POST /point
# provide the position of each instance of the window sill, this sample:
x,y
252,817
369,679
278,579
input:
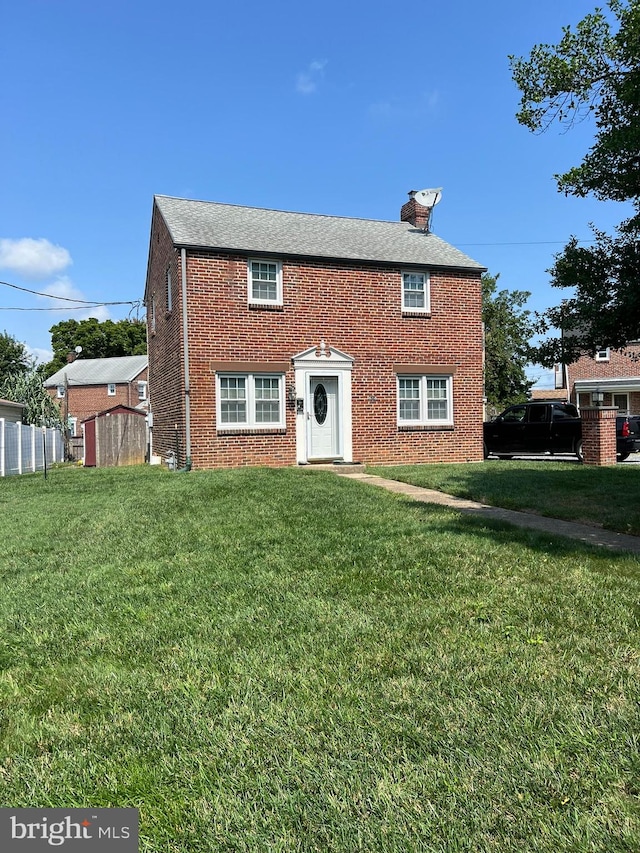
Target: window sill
x,y
251,430
265,306
410,313
425,428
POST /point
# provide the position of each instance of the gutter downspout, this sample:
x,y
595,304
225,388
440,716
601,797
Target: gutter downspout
x,y
185,344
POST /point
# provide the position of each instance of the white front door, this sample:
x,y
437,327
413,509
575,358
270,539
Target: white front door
x,y
324,435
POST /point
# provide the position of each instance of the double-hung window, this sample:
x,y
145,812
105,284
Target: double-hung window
x,y
251,401
425,401
111,389
265,282
415,292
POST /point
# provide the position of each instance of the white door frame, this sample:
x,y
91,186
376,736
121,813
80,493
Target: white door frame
x,y
329,362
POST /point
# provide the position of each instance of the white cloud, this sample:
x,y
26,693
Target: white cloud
x,y
64,287
41,356
33,258
307,81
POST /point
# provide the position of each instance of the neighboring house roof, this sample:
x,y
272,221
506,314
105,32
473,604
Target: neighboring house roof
x,y
228,227
99,371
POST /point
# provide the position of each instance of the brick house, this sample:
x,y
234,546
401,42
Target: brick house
x,y
86,386
278,338
615,373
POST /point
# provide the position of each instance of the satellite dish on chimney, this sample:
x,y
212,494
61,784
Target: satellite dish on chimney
x,y
78,350
428,199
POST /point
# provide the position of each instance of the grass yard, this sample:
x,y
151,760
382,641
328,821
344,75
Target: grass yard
x,y
606,496
290,661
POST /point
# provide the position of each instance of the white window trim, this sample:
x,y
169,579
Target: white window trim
x,y
407,309
603,354
424,420
251,422
61,392
111,385
278,265
142,390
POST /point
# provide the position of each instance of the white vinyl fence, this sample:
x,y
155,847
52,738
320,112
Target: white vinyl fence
x,y
22,448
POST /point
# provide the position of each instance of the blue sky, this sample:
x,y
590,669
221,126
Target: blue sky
x,y
337,108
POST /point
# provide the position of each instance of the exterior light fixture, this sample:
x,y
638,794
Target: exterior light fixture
x,y
597,397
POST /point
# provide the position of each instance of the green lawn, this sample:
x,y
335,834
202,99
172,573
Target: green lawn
x,y
290,661
606,496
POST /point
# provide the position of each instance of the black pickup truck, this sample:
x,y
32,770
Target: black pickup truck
x,y
534,428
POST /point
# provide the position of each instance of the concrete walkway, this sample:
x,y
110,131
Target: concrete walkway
x,y
583,532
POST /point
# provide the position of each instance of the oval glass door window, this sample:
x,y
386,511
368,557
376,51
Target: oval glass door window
x,y
320,403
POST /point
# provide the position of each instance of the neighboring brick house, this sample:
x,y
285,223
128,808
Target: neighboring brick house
x,y
615,373
278,338
86,386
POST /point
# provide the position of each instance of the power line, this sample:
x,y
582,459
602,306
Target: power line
x,y
81,302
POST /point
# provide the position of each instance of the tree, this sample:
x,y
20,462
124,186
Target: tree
x,y
507,330
592,71
107,339
27,387
14,358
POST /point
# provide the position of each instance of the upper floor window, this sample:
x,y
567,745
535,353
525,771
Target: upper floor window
x,y
603,354
250,400
142,390
111,389
265,282
415,292
424,400
152,322
61,392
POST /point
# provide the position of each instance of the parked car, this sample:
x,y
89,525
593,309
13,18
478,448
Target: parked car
x,y
536,428
627,436
542,427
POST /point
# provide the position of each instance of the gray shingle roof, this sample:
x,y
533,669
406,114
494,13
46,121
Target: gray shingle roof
x,y
252,230
99,371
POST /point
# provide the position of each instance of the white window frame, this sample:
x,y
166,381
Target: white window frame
x,y
409,309
622,410
603,354
251,399
254,300
111,389
423,388
61,392
142,390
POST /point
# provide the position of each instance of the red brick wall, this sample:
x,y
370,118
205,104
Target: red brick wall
x,y
86,400
354,308
164,346
621,365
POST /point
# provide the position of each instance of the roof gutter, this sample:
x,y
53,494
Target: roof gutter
x,y
185,345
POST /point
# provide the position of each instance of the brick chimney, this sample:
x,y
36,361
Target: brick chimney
x,y
71,357
417,214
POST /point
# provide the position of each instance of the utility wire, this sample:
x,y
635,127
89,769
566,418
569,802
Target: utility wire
x,y
92,304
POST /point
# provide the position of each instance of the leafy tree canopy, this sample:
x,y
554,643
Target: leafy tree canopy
x,y
507,329
107,339
594,70
14,358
